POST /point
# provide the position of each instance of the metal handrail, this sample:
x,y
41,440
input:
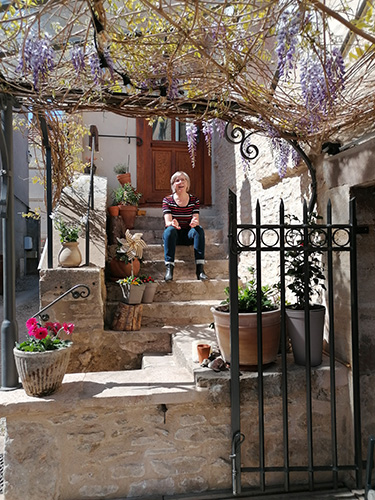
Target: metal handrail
x,y
75,294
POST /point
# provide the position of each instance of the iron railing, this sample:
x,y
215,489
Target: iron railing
x,y
261,238
75,294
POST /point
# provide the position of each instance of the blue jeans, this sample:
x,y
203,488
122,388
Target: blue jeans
x,y
193,236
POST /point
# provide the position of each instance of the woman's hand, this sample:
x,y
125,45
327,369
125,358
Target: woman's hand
x,y
194,221
175,224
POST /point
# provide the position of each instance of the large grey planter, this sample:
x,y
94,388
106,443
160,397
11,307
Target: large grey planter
x,y
295,322
41,373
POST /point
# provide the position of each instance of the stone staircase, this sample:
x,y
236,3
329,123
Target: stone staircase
x,y
181,308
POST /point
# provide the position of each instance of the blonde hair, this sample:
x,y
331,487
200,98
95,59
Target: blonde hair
x,y
174,177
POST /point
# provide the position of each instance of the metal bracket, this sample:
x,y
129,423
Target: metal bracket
x,y
362,230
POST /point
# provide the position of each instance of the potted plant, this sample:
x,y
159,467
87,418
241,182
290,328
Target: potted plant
x,y
127,197
122,171
129,253
87,165
303,307
69,254
114,210
132,289
247,307
150,289
42,359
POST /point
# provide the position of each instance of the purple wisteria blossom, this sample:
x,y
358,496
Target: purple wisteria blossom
x,y
78,58
96,70
220,126
335,71
173,89
282,157
37,57
208,129
109,61
191,135
287,39
321,86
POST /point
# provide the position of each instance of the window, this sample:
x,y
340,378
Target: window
x,y
164,129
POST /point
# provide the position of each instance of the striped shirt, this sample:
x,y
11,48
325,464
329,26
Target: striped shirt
x,y
182,214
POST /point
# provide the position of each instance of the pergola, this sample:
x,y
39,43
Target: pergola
x,y
298,71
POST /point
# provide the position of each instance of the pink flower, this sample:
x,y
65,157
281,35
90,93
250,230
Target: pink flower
x,y
31,323
68,327
40,333
52,327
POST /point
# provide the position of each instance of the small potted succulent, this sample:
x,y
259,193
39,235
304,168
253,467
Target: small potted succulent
x,y
248,317
123,174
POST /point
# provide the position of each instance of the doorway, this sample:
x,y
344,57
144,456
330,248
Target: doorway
x,y
165,151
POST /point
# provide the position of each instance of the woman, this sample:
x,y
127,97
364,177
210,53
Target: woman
x,y
181,217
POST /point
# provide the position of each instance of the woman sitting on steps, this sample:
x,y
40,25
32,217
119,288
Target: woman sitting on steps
x,y
181,217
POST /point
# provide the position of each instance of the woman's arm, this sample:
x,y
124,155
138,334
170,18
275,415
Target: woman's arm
x,y
169,221
194,220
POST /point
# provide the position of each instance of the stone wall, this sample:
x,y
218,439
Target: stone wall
x,y
350,174
127,434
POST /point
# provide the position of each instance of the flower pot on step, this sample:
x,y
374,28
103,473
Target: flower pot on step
x,y
41,373
69,254
295,323
133,293
122,269
124,178
247,332
149,293
128,214
114,210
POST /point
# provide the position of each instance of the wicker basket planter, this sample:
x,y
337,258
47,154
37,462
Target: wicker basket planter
x,y
41,373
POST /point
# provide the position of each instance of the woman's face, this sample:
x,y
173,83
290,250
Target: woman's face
x,y
180,184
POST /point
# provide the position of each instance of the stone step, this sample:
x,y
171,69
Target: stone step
x,y
178,313
213,251
156,235
170,313
185,270
131,345
155,251
178,290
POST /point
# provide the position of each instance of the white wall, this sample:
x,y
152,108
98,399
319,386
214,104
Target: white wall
x,y
112,150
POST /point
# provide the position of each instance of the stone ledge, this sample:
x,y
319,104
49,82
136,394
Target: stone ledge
x,y
109,389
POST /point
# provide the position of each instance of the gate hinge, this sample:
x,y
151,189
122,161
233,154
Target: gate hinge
x,y
362,230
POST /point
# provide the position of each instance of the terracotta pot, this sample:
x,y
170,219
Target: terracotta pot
x,y
69,255
41,373
295,324
114,210
120,269
247,332
128,214
149,294
203,351
133,293
124,178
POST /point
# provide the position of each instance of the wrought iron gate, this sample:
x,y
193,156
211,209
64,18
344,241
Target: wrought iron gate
x,y
261,238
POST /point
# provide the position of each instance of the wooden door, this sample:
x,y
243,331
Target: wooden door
x,y
163,152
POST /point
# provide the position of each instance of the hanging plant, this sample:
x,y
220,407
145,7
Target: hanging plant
x,y
207,128
191,135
